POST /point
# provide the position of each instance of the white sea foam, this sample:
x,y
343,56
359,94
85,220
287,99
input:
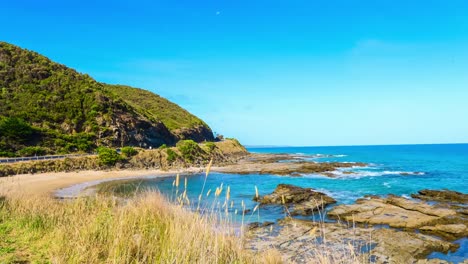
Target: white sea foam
x,y
300,154
315,176
349,173
318,155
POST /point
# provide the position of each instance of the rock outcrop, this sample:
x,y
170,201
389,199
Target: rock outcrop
x,y
399,212
297,200
302,241
445,196
295,166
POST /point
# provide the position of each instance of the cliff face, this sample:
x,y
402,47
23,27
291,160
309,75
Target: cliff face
x,y
198,134
181,123
69,111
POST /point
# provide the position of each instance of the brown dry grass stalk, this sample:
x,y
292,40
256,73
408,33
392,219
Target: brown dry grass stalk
x,y
145,229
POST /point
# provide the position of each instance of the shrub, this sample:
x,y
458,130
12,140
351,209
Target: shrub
x,y
129,151
32,151
171,155
108,156
4,153
163,146
189,149
211,146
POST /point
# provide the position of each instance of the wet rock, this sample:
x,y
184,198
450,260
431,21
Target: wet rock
x,y
431,261
395,246
255,225
297,200
324,168
450,231
442,196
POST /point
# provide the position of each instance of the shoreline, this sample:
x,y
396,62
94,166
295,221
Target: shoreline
x,y
431,238
51,183
48,183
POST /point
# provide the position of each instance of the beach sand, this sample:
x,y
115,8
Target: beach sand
x,y
48,183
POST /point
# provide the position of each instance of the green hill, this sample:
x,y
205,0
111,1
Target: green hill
x,y
46,107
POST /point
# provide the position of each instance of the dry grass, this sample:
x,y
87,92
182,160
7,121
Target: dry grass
x,y
145,229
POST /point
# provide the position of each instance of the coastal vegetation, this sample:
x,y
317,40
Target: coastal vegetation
x,y
48,105
108,156
145,229
189,149
186,154
129,152
156,108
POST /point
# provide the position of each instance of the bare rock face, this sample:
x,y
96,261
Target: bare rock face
x,y
298,201
128,128
198,134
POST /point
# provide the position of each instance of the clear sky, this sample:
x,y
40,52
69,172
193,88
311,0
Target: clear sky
x,y
320,72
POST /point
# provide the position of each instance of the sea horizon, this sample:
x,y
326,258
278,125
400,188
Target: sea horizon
x,y
357,145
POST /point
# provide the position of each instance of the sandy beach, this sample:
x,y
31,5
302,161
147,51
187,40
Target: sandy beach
x,y
48,183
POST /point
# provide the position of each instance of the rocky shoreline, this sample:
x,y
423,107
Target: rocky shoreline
x,y
285,165
389,229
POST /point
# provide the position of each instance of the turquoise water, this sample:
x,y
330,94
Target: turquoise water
x,y
399,170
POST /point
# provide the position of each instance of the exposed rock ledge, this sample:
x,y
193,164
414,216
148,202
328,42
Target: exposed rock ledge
x,y
297,200
440,219
361,232
301,241
269,164
445,196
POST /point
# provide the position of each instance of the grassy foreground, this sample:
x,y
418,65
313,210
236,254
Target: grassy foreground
x,y
146,229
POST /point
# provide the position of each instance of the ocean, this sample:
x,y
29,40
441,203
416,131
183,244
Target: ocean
x,y
392,169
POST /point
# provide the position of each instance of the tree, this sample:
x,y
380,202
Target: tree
x,y
15,129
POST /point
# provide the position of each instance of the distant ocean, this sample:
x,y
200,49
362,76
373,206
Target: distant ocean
x,y
393,169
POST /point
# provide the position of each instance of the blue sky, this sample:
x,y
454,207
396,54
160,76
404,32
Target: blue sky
x,y
273,72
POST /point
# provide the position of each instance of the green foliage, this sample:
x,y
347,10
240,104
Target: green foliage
x,y
189,149
156,108
171,155
32,151
69,109
211,146
129,151
163,146
108,156
5,153
13,128
83,142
